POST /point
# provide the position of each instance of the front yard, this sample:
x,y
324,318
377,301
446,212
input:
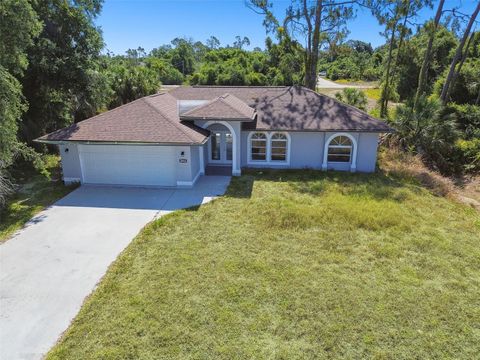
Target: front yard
x,y
35,192
293,265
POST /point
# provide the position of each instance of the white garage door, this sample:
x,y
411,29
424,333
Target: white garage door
x,y
128,165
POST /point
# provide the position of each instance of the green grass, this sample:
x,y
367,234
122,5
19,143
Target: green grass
x,y
34,194
373,93
293,265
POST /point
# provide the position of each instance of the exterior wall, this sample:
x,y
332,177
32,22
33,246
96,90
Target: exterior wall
x,y
186,172
189,171
70,163
307,151
367,152
195,160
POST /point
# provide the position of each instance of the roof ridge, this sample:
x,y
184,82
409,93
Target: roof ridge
x,y
222,99
174,123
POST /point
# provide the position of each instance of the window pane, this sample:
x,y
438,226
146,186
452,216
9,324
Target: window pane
x,y
333,150
258,147
279,136
339,158
259,136
279,157
279,143
259,156
341,140
215,145
277,151
259,143
228,144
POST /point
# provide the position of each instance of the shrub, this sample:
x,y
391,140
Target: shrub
x,y
469,152
354,97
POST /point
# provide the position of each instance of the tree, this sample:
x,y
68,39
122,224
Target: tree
x,y
432,27
354,97
239,43
458,55
183,56
316,21
63,62
19,25
395,15
428,130
213,43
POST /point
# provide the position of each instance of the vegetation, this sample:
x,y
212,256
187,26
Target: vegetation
x,y
313,265
35,192
353,97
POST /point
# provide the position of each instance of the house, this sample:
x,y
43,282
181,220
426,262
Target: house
x,y
171,138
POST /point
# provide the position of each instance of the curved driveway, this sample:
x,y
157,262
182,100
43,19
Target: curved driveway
x,y
49,267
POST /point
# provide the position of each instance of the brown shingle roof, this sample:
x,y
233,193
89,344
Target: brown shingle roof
x,y
152,119
292,108
224,107
155,119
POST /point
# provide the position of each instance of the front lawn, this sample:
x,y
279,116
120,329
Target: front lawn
x,y
293,265
35,192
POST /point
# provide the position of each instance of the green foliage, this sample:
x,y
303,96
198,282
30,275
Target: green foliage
x,y
59,81
429,131
353,60
468,119
469,153
280,64
354,97
128,82
11,108
466,89
411,58
18,26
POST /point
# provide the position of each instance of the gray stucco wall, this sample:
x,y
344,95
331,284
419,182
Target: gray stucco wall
x,y
70,162
367,152
185,171
307,150
195,160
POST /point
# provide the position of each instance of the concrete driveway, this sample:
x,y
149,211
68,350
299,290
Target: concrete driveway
x,y
50,266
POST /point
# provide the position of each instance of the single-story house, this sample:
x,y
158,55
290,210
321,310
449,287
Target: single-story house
x,y
171,138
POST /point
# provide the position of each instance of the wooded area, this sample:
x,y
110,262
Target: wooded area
x,y
53,71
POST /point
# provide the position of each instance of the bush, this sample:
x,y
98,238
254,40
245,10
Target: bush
x,y
469,152
468,119
354,97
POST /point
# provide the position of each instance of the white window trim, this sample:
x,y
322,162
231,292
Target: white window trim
x,y
268,160
353,155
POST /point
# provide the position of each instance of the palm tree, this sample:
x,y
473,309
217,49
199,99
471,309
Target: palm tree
x,y
353,97
426,129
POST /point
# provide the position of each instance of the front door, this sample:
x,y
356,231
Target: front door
x,y
220,147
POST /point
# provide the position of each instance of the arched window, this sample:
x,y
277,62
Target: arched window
x,y
279,147
258,147
340,149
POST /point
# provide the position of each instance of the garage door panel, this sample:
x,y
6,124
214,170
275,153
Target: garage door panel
x,y
128,165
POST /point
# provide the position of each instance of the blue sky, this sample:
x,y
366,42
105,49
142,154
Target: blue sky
x,y
150,23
